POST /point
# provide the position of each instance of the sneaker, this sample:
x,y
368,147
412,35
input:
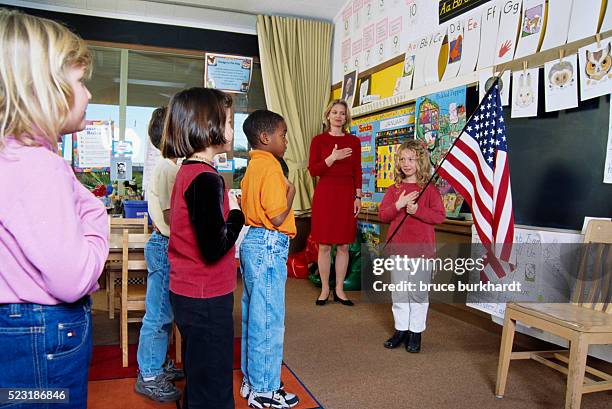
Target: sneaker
x,y
245,388
172,372
158,389
277,399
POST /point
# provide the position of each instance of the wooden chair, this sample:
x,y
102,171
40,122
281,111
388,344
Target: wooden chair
x,y
112,269
132,296
585,321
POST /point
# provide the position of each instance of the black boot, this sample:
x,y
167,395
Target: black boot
x,y
413,342
397,339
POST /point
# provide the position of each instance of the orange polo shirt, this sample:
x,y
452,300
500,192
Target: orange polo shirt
x,y
264,193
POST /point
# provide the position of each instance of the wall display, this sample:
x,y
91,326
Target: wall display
x,y
449,9
584,19
525,93
506,36
346,53
230,73
471,42
64,148
490,27
368,46
222,163
348,87
557,24
395,35
121,169
486,80
92,147
370,235
122,148
608,163
418,80
440,118
531,28
364,89
357,17
595,69
380,135
404,83
432,74
346,20
382,33
561,84
455,49
356,48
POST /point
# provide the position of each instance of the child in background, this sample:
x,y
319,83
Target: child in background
x,y
415,237
53,231
155,375
205,223
267,197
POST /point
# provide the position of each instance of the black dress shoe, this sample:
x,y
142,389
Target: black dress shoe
x,y
397,339
322,302
342,300
413,342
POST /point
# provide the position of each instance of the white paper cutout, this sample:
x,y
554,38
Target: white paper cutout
x,y
525,93
486,80
432,57
418,80
506,36
557,24
561,84
489,29
531,28
455,49
595,70
584,19
404,83
471,42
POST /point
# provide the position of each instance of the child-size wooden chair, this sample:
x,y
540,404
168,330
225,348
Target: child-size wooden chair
x,y
585,321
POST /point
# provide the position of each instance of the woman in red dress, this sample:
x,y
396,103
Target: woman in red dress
x,y
335,157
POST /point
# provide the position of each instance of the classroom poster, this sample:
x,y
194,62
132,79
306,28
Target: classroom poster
x,y
557,24
455,49
440,118
120,169
506,36
230,73
92,147
531,28
433,54
490,27
525,93
348,87
364,89
486,80
380,135
584,19
595,69
561,84
471,42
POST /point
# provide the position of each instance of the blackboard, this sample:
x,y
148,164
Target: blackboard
x,y
557,163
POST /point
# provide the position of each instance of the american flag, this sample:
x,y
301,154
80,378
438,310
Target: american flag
x,y
477,167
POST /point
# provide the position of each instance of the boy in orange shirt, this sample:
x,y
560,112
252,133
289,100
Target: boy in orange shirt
x,y
267,197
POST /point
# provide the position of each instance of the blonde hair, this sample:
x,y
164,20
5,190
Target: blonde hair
x,y
347,124
423,164
35,95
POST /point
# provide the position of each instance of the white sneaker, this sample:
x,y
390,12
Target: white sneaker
x,y
278,399
245,388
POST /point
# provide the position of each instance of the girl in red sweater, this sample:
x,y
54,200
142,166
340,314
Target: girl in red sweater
x,y
415,238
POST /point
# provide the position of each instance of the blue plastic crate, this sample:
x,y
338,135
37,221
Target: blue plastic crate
x,y
135,209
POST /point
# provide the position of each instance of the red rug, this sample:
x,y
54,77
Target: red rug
x,y
106,361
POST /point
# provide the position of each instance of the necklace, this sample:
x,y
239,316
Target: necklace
x,y
201,158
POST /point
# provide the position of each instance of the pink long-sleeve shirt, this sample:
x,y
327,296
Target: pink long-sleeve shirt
x,y
53,231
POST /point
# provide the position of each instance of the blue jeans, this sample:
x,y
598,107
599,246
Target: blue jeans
x,y
157,322
46,346
263,261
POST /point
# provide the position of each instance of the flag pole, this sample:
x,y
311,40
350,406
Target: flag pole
x,y
435,173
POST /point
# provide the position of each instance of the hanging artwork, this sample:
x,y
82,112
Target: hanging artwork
x,y
506,36
525,93
531,27
432,58
418,80
348,87
487,79
584,19
557,24
455,49
471,42
440,118
561,84
364,89
595,70
404,83
490,27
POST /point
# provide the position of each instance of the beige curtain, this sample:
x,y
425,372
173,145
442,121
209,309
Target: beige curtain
x,y
295,66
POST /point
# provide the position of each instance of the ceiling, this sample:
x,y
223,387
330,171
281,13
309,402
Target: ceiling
x,y
315,9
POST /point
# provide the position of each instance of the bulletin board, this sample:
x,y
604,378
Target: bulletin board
x,y
380,135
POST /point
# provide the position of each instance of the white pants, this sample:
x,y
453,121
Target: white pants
x,y
410,309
